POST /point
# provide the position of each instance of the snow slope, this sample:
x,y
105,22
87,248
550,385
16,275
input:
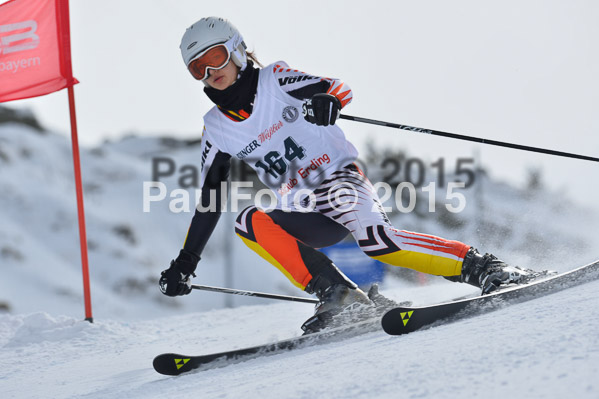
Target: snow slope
x,y
544,348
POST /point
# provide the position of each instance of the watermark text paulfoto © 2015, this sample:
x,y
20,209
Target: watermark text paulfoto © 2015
x,y
404,183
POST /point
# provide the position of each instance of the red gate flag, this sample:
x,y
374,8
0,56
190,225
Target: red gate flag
x,y
35,53
35,59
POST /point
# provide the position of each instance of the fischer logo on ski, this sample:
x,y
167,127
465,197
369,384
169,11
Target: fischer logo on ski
x,y
181,362
405,317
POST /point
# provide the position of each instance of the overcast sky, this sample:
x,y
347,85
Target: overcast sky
x,y
519,71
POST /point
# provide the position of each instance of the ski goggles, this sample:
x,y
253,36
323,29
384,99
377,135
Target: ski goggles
x,y
214,57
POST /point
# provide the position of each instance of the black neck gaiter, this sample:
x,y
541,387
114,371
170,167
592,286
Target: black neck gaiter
x,y
241,94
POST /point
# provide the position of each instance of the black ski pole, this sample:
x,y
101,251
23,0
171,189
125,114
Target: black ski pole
x,y
468,138
252,293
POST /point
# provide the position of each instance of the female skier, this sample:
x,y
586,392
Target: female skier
x,y
309,165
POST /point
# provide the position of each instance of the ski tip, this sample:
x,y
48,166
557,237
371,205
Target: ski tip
x,y
172,364
397,321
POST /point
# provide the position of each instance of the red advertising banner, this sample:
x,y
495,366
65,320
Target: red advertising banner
x,y
35,54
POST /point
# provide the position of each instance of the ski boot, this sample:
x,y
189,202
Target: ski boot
x,y
339,303
489,273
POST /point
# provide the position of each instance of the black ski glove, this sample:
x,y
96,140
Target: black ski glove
x,y
322,109
176,280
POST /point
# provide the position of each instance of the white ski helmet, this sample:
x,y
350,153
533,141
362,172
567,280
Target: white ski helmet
x,y
210,31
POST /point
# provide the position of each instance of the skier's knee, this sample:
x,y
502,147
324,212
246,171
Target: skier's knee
x,y
377,242
243,223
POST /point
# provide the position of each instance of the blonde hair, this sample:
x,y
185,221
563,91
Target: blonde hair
x,y
252,56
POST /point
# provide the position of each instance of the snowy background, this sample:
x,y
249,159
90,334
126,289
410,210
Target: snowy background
x,y
532,226
545,348
522,72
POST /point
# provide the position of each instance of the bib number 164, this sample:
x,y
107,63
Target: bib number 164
x,y
276,164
